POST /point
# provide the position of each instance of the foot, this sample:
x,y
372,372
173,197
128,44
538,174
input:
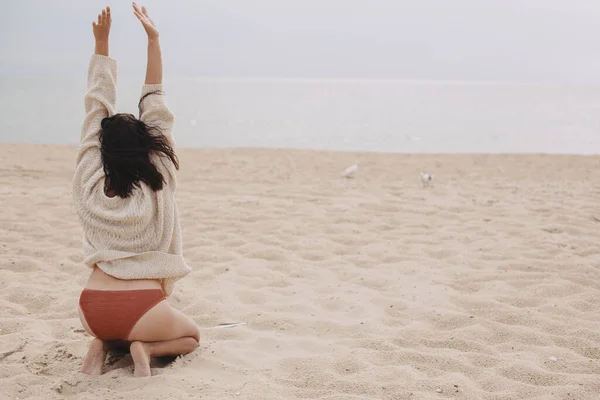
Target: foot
x,y
94,359
141,359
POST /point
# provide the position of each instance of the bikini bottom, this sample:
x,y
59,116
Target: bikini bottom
x,y
112,314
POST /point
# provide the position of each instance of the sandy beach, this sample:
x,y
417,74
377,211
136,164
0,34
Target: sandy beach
x,y
484,286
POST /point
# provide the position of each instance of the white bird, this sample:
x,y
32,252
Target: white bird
x,y
349,172
426,179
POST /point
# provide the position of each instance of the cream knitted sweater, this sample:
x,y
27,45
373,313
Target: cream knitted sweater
x,y
138,237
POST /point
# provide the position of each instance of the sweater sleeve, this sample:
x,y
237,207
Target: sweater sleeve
x,y
154,111
100,98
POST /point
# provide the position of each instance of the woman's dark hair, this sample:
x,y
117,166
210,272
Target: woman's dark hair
x,y
126,146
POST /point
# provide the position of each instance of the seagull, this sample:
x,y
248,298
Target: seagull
x,y
349,172
426,179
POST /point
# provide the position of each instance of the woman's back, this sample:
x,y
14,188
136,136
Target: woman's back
x,y
137,236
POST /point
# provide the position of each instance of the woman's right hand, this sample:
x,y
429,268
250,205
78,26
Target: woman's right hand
x,y
101,31
147,23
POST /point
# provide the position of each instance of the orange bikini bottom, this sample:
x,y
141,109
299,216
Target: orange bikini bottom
x,y
112,314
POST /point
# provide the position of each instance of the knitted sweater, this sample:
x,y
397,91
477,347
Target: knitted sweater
x,y
138,237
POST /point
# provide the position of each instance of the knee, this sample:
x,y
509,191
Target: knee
x,y
194,331
191,344
197,335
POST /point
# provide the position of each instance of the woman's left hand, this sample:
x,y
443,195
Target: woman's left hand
x,y
146,21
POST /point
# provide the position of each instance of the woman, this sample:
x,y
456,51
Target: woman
x,y
123,192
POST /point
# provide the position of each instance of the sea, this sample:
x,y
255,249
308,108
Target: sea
x,y
328,114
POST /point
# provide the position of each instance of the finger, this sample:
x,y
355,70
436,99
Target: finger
x,y
103,17
138,15
99,19
93,24
144,11
109,14
142,19
136,8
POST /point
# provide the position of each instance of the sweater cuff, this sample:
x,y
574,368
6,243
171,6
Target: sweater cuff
x,y
151,88
101,60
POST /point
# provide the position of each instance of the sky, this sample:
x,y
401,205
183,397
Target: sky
x,y
538,41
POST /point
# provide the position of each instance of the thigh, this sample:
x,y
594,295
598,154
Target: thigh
x,y
163,322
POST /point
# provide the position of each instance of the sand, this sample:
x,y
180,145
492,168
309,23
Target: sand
x,y
485,285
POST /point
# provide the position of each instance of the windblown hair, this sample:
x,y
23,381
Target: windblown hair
x,y
126,146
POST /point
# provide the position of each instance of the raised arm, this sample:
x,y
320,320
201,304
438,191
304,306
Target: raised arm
x,y
153,109
154,66
101,94
100,100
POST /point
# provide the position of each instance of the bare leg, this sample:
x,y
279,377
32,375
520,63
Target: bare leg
x,y
94,359
163,323
162,331
142,352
